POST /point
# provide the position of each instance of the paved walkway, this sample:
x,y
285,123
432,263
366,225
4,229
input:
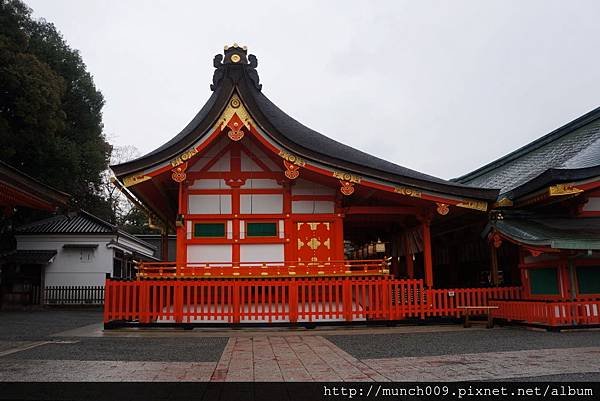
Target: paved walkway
x,y
305,358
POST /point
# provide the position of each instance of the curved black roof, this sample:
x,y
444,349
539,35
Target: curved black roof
x,y
241,77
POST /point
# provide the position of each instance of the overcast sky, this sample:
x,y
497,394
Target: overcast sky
x,y
442,87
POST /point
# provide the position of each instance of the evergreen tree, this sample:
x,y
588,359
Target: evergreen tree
x,y
50,110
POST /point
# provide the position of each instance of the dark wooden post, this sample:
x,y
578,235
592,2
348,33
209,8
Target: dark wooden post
x,y
427,257
164,243
410,266
494,265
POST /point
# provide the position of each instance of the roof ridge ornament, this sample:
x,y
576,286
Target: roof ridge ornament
x,y
233,56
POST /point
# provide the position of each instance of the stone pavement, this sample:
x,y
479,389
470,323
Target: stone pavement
x,y
304,358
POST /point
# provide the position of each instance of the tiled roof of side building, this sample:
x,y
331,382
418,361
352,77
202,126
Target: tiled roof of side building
x,y
81,222
576,145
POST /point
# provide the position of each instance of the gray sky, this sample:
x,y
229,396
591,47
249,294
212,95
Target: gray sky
x,y
442,87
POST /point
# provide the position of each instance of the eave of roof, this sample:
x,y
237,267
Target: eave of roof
x,y
291,135
552,176
551,232
32,187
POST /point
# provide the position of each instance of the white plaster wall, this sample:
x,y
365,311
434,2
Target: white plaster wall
x,y
312,207
204,158
208,253
209,184
67,267
261,184
247,164
223,164
209,204
304,187
261,204
261,253
259,153
592,205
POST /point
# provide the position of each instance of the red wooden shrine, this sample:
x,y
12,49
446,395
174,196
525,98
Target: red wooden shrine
x,y
278,223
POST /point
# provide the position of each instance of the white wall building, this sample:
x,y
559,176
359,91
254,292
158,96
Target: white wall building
x,y
86,249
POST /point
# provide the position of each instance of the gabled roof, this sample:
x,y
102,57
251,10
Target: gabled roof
x,y
19,189
242,79
80,223
571,150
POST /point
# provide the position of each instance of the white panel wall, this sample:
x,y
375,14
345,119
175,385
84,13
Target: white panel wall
x,y
262,156
209,204
304,187
202,160
209,184
223,164
261,204
248,164
261,253
592,205
208,253
261,184
312,207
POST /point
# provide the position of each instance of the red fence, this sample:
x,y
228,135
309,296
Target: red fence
x,y
447,302
305,299
550,313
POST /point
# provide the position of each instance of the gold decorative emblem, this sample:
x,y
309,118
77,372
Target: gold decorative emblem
x,y
235,58
347,187
184,157
236,133
564,189
504,202
415,193
347,181
442,208
178,173
291,158
346,177
292,171
476,205
135,179
234,107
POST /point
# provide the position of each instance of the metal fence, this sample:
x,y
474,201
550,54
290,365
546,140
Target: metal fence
x,y
74,295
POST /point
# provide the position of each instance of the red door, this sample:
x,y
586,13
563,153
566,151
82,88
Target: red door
x,y
314,241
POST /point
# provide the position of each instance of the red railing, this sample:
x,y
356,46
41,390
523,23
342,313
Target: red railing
x,y
290,299
448,302
549,313
262,269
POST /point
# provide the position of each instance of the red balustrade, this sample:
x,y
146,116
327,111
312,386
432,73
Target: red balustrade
x,y
146,270
549,313
289,299
448,302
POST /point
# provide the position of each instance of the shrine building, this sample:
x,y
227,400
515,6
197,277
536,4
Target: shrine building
x,y
277,223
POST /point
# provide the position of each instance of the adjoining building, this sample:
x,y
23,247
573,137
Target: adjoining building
x,y
276,222
21,285
549,209
82,249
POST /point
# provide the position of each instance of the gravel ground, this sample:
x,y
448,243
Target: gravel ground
x,y
201,349
38,325
450,343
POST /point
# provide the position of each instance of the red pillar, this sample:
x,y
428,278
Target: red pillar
x,y
427,258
